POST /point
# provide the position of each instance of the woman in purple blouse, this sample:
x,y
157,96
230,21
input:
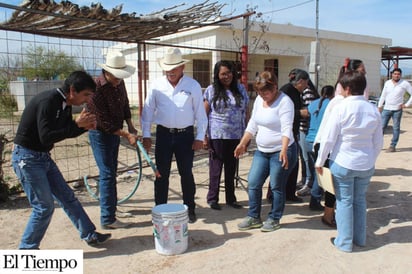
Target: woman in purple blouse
x,y
226,103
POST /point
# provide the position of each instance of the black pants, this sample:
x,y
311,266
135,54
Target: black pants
x,y
330,199
180,144
293,177
221,157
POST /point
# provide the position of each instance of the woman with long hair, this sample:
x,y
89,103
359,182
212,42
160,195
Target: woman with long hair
x,y
316,111
226,104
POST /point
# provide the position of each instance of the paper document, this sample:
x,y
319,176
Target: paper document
x,y
325,180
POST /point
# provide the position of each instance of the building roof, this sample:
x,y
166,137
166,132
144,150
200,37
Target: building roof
x,y
398,53
68,20
392,56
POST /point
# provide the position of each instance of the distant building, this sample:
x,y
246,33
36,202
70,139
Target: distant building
x,y
280,48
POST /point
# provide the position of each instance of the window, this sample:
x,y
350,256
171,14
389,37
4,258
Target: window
x,y
272,65
201,72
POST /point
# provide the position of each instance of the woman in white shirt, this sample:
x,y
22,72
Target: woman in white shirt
x,y
353,137
272,123
350,65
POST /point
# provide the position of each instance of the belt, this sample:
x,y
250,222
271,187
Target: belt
x,y
175,130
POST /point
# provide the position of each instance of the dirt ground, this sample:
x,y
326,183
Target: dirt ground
x,y
302,244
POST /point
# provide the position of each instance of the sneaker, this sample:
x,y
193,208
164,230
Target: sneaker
x,y
192,216
98,238
122,214
391,149
304,191
215,206
235,205
294,199
249,223
270,225
115,225
316,206
300,184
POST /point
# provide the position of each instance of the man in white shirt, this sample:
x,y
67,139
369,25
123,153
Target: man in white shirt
x,y
175,104
392,95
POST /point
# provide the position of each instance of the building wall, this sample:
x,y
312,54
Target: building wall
x,y
332,57
24,91
290,45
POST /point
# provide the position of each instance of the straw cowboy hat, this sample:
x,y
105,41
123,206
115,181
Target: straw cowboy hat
x,y
172,59
116,65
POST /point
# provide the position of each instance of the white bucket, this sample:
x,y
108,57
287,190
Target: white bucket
x,y
170,228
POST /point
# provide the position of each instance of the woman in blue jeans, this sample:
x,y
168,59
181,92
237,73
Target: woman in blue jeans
x,y
353,137
272,123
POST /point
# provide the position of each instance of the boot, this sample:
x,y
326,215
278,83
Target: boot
x,y
328,217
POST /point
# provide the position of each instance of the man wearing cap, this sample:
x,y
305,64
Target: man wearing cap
x,y
175,104
110,104
298,82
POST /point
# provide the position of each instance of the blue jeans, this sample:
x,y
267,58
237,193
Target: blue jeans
x,y
316,191
179,144
308,172
350,190
43,182
264,165
105,150
396,116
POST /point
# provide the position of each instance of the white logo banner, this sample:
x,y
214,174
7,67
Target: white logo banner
x,y
41,261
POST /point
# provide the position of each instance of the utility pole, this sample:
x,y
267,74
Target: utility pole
x,y
314,65
244,52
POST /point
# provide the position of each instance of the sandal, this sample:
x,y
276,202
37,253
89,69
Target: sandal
x,y
331,224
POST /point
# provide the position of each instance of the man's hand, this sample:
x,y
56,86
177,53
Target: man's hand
x,y
147,144
86,120
197,145
206,143
132,138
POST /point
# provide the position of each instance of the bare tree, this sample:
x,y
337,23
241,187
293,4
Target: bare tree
x,y
256,42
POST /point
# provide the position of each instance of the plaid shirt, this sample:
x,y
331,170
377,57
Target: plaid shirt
x,y
110,104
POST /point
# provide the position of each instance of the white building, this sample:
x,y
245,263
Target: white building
x,y
279,47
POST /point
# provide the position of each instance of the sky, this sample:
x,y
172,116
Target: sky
x,y
381,18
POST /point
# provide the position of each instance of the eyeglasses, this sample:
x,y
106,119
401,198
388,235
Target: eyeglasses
x,y
225,74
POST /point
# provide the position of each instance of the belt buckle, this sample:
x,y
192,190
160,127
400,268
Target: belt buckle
x,y
172,130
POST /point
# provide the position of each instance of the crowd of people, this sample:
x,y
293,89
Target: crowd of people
x,y
337,128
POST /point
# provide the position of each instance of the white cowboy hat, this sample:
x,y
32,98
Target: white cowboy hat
x,y
172,59
116,65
